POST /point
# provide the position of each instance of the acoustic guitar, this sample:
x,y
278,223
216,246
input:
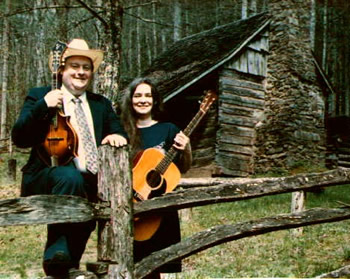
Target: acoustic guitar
x,y
155,174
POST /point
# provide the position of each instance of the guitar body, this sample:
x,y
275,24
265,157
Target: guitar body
x,y
145,227
148,183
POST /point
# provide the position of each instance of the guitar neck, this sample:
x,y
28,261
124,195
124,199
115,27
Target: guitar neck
x,y
194,122
172,152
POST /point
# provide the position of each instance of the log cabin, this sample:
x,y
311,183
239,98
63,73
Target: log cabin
x,y
270,108
231,60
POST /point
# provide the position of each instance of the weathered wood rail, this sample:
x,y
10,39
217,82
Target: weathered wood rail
x,y
116,210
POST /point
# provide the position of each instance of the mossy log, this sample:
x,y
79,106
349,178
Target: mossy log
x,y
50,209
203,191
343,272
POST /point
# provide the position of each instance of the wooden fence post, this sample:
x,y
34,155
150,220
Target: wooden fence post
x,y
297,206
115,245
11,164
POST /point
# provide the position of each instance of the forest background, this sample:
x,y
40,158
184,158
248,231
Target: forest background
x,y
133,33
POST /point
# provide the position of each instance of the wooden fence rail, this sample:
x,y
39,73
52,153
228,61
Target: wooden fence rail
x,y
115,212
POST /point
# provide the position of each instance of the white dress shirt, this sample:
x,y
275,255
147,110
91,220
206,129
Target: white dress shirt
x,y
69,107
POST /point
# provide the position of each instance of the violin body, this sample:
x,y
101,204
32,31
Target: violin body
x,y
61,143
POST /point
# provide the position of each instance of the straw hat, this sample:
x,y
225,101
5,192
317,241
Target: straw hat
x,y
79,47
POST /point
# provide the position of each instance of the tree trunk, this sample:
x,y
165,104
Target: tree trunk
x,y
4,85
138,40
154,30
40,58
99,43
111,40
63,19
313,24
177,20
253,8
244,9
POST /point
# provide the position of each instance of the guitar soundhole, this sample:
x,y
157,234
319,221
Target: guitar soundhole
x,y
158,185
153,179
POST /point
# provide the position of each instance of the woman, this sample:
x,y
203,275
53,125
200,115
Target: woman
x,y
141,109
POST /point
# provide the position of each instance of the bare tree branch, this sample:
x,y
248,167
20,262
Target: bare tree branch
x,y
151,21
55,7
75,24
141,4
30,9
93,12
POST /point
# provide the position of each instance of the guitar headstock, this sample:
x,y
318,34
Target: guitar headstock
x,y
56,54
208,99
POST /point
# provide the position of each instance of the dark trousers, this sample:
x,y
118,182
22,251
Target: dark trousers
x,y
70,238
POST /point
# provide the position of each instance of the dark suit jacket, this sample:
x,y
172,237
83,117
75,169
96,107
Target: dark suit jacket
x,y
33,122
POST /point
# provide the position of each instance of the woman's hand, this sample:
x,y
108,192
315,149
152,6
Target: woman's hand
x,y
114,140
181,141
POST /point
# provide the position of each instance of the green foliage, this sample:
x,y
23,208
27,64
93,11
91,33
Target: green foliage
x,y
304,166
301,166
346,251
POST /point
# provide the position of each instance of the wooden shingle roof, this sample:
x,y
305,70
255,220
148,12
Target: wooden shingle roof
x,y
193,57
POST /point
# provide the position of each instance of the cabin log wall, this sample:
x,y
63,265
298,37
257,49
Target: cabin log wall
x,y
203,145
241,108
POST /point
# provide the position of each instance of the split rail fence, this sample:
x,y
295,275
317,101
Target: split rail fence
x,y
115,213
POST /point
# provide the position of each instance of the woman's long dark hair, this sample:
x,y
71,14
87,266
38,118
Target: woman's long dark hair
x,y
129,116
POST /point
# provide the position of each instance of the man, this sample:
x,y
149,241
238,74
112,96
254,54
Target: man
x,y
66,242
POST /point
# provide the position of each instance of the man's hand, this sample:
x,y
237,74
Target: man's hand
x,y
114,140
54,98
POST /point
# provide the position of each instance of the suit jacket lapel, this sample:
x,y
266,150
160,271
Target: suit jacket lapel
x,y
96,116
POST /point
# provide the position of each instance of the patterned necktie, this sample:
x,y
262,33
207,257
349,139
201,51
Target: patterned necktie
x,y
86,138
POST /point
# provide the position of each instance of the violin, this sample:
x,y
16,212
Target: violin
x,y
61,142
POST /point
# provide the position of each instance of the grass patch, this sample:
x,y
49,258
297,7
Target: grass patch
x,y
321,248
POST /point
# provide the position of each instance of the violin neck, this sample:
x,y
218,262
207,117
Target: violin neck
x,y
54,81
55,85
